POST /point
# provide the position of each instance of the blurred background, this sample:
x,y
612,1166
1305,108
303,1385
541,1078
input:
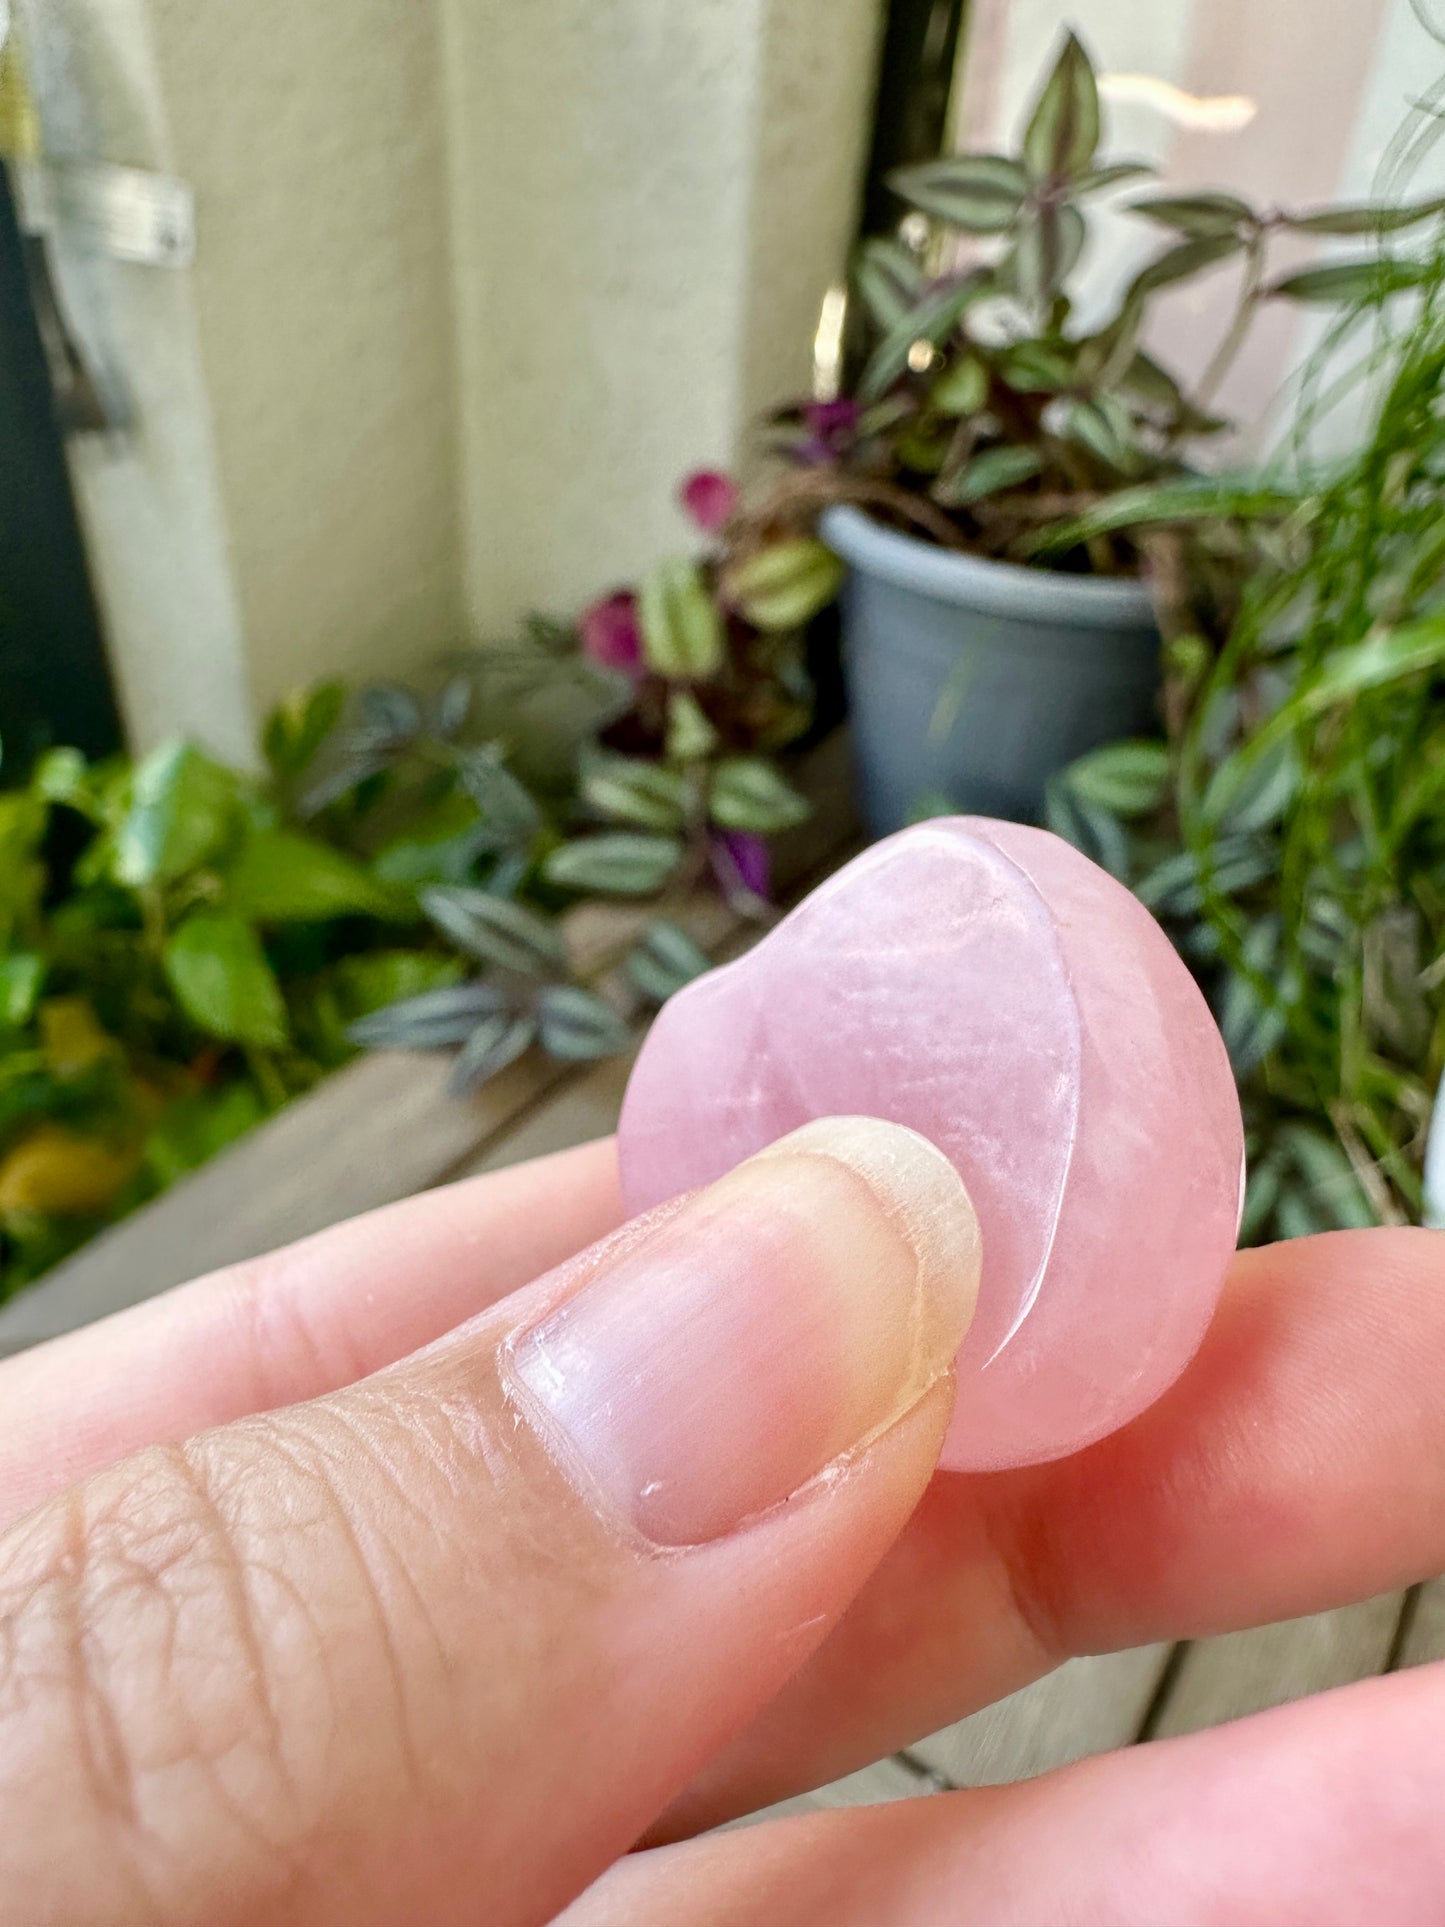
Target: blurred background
x,y
473,284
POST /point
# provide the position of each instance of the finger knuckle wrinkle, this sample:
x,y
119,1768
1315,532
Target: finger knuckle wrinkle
x,y
129,1649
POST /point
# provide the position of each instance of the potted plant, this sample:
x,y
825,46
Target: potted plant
x,y
978,661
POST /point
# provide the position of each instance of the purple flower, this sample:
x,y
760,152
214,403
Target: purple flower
x,y
611,634
832,417
740,859
831,425
710,498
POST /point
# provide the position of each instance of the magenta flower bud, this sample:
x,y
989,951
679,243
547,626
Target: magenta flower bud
x,y
611,634
832,418
710,498
830,427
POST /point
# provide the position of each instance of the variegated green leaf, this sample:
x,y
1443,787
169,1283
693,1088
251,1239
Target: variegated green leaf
x,y
933,319
890,280
784,585
749,794
1063,130
1127,779
496,1042
1202,216
664,960
494,929
627,864
682,632
629,790
577,1025
1049,242
434,1020
988,473
980,193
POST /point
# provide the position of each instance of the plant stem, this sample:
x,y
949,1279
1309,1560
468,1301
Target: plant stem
x,y
267,1078
803,491
1235,335
153,918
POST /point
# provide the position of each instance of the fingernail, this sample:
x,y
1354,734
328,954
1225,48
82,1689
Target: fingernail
x,y
784,1318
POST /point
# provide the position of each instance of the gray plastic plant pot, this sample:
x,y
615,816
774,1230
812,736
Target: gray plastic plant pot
x,y
977,680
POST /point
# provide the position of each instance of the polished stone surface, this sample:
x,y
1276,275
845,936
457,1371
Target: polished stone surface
x,y
986,984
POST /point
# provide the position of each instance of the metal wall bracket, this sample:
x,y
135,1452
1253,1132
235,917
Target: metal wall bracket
x,y
124,212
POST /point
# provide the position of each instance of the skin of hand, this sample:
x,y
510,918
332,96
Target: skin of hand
x,y
374,1581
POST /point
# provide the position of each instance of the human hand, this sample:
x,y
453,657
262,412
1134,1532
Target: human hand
x,y
391,1654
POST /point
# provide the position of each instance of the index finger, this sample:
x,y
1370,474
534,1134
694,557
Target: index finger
x,y
1298,1465
298,1322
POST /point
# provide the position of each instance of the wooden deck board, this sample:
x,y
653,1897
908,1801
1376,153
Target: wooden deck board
x,y
1085,1707
1240,1673
885,1780
1424,1631
586,1107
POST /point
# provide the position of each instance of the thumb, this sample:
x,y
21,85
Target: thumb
x,y
440,1646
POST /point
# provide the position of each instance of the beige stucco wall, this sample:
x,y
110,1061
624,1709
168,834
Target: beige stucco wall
x,y
648,204
311,137
475,283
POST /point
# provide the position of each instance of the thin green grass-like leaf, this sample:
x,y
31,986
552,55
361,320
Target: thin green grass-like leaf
x,y
1156,504
1372,278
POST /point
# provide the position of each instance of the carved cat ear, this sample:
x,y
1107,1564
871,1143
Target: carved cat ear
x,y
989,986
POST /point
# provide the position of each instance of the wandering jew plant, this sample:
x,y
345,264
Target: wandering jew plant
x,y
678,793
984,411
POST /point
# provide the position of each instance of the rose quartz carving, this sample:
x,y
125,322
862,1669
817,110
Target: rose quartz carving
x,y
989,986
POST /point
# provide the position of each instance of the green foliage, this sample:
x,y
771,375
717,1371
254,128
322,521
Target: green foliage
x,y
494,929
986,417
749,794
664,960
184,947
183,808
1063,130
784,585
1291,832
625,863
682,632
577,1025
195,1127
628,789
223,981
280,877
